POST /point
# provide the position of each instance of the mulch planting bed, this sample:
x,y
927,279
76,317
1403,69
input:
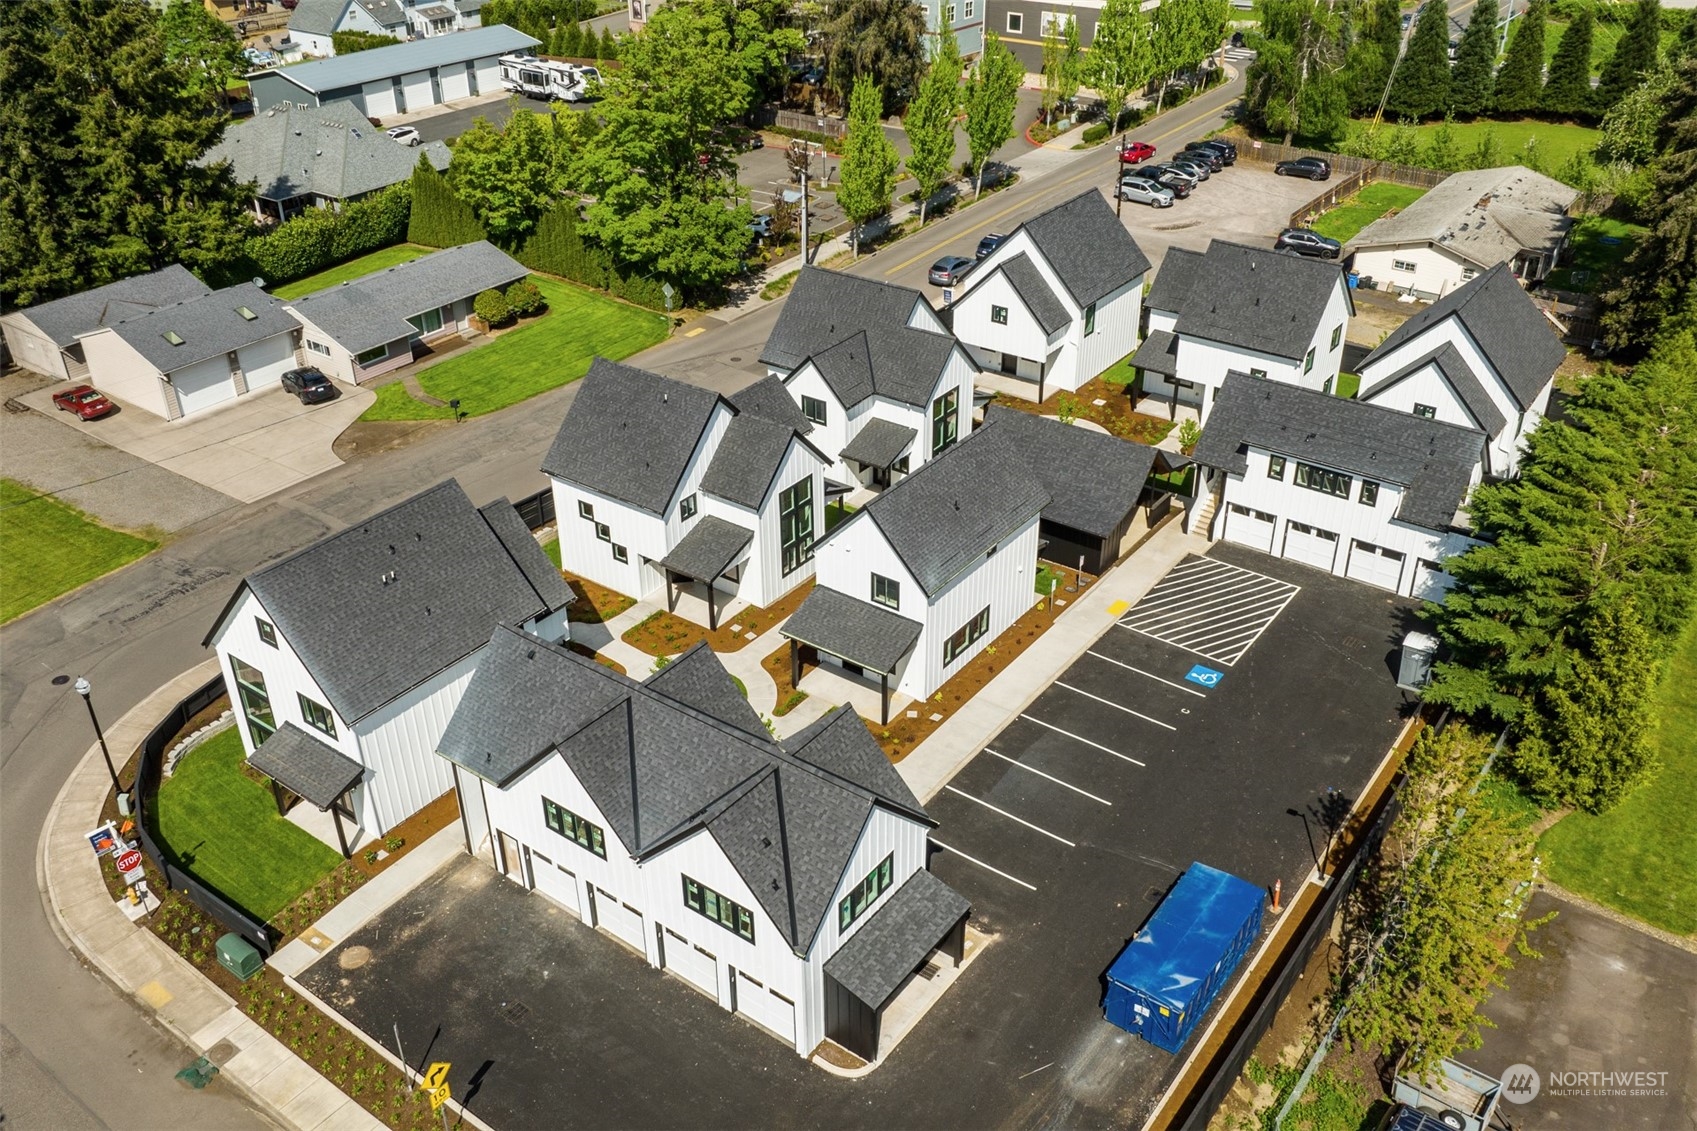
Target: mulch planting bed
x,y
777,666
592,603
1114,413
667,634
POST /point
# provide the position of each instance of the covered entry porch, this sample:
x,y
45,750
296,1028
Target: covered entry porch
x,y
880,453
712,551
305,768
865,639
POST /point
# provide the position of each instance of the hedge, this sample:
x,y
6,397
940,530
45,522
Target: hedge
x,y
556,248
492,308
348,42
320,238
439,217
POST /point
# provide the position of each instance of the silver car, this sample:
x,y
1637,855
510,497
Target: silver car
x,y
1145,192
1192,168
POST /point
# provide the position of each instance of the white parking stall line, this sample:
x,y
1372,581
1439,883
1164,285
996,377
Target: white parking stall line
x,y
1192,611
1050,777
1214,621
981,864
1010,816
1151,675
1164,594
1114,705
1086,741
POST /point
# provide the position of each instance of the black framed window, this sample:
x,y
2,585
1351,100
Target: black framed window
x,y
588,834
1276,467
1262,373
999,315
317,715
966,636
886,592
728,913
267,631
1430,412
1090,320
1308,362
865,893
1337,335
603,532
687,508
1323,481
945,421
1369,493
619,553
586,510
814,409
1326,386
256,701
795,524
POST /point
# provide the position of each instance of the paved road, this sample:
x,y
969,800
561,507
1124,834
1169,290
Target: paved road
x,y
132,630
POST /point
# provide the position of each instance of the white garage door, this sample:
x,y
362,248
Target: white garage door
x,y
554,882
1431,582
201,386
622,920
760,1005
691,963
1311,546
1376,565
1250,527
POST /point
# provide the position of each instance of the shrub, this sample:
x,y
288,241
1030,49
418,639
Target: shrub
x,y
348,42
1095,133
320,238
1188,433
491,306
525,298
439,218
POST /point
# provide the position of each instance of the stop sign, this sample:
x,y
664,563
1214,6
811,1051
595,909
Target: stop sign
x,y
128,860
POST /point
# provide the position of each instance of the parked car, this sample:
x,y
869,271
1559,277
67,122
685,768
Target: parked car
x,y
1169,171
989,243
761,226
1132,152
1208,157
1304,241
950,270
310,385
1236,39
85,401
406,135
1190,167
1145,192
1174,182
1314,168
1224,150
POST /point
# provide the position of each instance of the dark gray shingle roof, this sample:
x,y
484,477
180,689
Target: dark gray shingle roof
x,y
307,765
880,443
1158,353
944,517
709,548
64,318
824,307
747,460
1461,378
890,945
1432,462
1093,480
330,150
769,400
870,635
378,608
836,742
209,326
629,434
1512,333
898,362
1033,290
1258,299
522,547
1173,280
697,679
1088,247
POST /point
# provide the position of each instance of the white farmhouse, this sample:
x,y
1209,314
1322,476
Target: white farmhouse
x,y
346,660
873,369
787,882
314,23
658,483
1357,490
926,575
1483,356
1236,308
46,338
1059,301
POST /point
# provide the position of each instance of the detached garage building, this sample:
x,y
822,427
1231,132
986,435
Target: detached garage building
x,y
45,337
399,79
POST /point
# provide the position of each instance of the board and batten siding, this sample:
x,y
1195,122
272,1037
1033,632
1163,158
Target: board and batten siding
x,y
1118,317
988,339
832,436
398,745
959,374
1005,581
694,471
641,533
763,580
856,550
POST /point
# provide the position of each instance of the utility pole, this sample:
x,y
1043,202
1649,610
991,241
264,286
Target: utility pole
x,y
805,251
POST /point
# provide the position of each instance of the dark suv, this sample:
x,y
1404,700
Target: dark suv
x,y
1224,150
1314,168
1306,242
310,385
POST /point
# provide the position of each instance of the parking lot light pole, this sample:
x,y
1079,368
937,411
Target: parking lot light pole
x,y
83,688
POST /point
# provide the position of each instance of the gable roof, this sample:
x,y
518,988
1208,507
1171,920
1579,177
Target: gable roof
x,y
898,362
378,608
697,679
330,150
1173,279
1506,324
769,400
317,17
63,319
373,309
326,76
709,548
387,13
1093,480
825,307
1460,377
629,434
1431,461
207,326
945,516
1258,299
748,459
306,765
895,939
661,764
880,443
1486,216
870,635
1087,246
1033,290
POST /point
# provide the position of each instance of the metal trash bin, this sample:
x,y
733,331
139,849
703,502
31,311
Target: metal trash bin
x,y
238,956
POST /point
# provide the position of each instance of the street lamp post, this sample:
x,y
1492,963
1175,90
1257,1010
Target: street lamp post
x,y
84,688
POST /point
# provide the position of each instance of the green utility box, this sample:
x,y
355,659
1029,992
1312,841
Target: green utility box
x,y
238,956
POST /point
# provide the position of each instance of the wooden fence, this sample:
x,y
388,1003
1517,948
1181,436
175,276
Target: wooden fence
x,y
807,123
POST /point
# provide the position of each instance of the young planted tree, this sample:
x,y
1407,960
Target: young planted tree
x,y
1475,63
1634,55
1185,33
1520,81
868,167
990,103
1421,87
930,125
1121,60
1567,91
1069,75
1061,68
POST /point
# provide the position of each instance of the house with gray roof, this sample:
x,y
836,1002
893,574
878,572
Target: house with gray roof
x,y
193,354
661,486
1059,301
872,368
1357,490
301,157
1236,308
927,574
1484,356
1469,224
346,659
785,880
314,23
363,328
46,338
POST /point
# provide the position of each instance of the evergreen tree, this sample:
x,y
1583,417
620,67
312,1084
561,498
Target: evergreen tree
x,y
878,40
1421,87
1378,41
930,125
1520,81
1567,92
439,218
990,103
1628,132
1120,60
1475,63
608,49
1635,53
868,167
1297,86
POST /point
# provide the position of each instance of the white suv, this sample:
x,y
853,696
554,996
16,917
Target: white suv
x,y
1145,192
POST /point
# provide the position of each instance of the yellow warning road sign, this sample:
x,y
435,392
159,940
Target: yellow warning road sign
x,y
436,1076
438,1097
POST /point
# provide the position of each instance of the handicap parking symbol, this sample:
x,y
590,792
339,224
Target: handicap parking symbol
x,y
1207,677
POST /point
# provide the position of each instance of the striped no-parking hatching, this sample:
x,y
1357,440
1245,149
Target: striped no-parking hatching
x,y
1210,608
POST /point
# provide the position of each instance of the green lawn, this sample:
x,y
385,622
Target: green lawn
x,y
1556,142
543,353
1595,247
352,269
1639,856
1122,372
836,514
51,548
552,549
1348,385
223,827
1344,221
1178,482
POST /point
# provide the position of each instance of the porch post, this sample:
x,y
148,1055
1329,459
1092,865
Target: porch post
x,y
277,796
671,593
341,837
1042,376
884,690
795,665
712,613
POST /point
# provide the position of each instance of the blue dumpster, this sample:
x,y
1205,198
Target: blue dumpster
x,y
1167,975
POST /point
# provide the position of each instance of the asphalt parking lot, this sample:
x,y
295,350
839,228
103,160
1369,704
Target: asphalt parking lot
x,y
1064,833
1243,203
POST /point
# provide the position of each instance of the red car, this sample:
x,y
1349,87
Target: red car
x,y
1131,152
84,401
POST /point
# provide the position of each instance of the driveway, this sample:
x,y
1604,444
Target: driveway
x,y
1063,833
247,449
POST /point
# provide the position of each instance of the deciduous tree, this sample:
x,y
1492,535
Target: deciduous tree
x,y
930,125
510,177
1475,63
206,46
1567,92
1634,55
1520,80
1121,59
868,167
877,40
1628,131
1421,87
1296,86
990,103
